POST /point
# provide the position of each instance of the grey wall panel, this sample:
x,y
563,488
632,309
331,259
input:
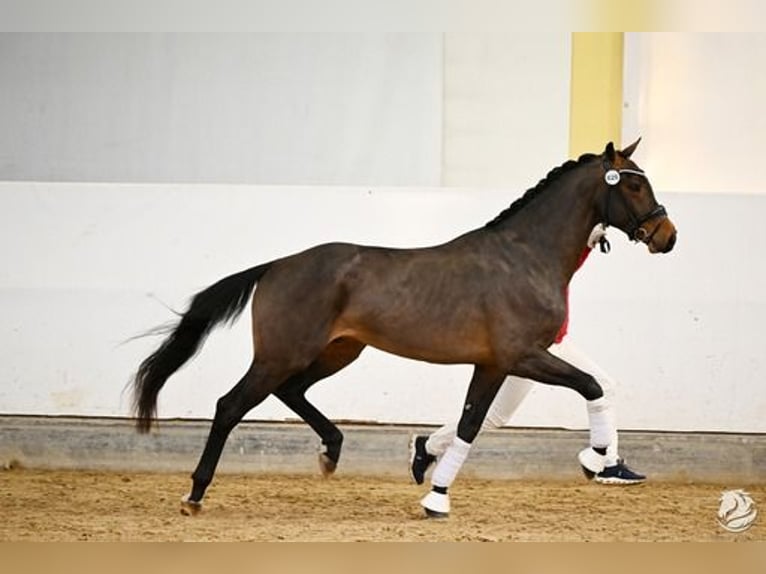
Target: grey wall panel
x,y
223,108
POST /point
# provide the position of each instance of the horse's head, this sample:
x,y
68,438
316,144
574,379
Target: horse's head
x,y
629,203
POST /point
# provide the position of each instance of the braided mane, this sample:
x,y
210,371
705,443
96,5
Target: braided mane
x,y
533,192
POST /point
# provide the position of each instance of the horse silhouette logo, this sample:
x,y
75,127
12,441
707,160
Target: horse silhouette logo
x,y
737,511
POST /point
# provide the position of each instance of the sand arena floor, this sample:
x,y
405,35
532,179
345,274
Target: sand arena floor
x,y
45,505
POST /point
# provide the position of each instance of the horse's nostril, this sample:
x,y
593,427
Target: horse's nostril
x,y
670,244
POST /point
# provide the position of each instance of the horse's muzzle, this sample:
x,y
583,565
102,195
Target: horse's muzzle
x,y
663,238
671,243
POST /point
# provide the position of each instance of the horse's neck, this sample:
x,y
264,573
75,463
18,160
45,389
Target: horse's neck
x,y
560,220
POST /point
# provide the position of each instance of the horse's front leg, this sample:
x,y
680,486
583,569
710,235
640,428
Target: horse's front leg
x,y
485,383
547,368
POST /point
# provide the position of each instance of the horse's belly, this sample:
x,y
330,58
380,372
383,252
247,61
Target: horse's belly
x,y
423,343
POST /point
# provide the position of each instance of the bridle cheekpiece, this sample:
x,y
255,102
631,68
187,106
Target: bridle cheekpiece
x,y
635,232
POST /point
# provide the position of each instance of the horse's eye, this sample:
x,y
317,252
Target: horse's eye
x,y
634,186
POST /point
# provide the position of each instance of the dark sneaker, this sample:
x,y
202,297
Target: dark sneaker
x,y
619,474
420,460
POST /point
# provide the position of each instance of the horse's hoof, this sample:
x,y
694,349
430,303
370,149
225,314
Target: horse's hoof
x,y
591,462
436,505
327,465
436,514
190,507
589,474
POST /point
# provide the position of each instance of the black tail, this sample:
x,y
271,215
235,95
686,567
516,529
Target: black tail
x,y
221,302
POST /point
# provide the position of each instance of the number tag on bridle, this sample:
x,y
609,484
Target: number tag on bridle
x,y
612,177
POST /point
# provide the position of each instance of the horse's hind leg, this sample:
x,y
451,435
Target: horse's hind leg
x,y
251,390
292,393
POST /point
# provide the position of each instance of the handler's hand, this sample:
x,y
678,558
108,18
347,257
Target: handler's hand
x,y
595,236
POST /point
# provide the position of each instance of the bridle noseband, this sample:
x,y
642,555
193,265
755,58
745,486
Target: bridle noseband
x,y
635,232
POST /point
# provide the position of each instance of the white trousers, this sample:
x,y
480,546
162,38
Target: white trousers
x,y
515,389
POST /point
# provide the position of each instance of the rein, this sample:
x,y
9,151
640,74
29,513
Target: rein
x,y
636,232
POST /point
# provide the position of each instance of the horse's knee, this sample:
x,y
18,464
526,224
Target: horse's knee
x,y
590,389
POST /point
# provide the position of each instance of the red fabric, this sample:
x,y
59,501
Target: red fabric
x,y
565,325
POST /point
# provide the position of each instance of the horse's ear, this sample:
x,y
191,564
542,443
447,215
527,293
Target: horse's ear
x,y
609,152
628,151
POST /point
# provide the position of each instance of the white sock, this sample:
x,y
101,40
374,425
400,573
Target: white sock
x,y
449,464
438,441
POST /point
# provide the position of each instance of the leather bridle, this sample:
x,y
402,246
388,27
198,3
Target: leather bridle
x,y
635,231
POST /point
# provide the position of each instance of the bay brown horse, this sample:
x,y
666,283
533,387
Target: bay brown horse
x,y
493,298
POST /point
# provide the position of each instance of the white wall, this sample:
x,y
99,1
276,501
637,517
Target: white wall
x,y
506,107
697,100
86,266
